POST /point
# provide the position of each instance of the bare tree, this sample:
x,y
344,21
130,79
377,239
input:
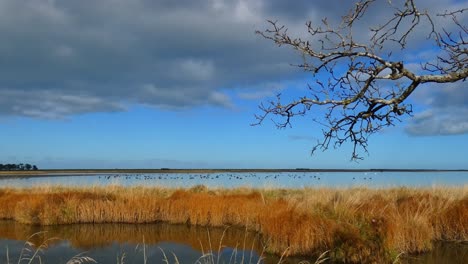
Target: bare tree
x,y
366,87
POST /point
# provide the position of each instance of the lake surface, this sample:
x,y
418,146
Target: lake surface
x,y
257,180
108,242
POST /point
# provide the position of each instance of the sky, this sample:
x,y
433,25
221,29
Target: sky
x,y
151,84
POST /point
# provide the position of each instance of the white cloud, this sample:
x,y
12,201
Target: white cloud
x,y
263,90
439,122
447,112
52,105
193,69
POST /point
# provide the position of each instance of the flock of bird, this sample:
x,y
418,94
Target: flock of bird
x,y
228,176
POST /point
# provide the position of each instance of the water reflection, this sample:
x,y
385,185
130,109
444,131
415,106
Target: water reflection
x,y
443,253
107,242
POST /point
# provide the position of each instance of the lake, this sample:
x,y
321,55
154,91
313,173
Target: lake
x,y
256,180
107,242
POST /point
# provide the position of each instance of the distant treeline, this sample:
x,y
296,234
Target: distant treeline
x,y
16,167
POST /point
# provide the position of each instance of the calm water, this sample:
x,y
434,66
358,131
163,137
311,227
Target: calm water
x,y
260,180
107,242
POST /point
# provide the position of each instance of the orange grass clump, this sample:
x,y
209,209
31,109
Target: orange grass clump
x,y
357,225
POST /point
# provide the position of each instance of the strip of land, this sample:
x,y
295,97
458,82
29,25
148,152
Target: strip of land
x,y
19,173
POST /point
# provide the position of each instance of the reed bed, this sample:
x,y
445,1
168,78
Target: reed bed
x,y
356,225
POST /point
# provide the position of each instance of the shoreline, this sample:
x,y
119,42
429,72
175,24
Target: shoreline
x,y
79,172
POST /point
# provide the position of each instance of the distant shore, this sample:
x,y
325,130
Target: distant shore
x,y
51,172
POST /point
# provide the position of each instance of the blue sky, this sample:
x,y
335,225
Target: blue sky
x,y
150,84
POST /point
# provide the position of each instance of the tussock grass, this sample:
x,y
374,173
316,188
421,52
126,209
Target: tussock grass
x,y
357,225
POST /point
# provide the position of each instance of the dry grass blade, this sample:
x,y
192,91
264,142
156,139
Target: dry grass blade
x,y
203,257
80,259
252,250
40,249
243,251
28,253
121,260
220,246
283,255
165,259
397,259
7,256
261,255
175,258
322,258
211,248
145,258
233,254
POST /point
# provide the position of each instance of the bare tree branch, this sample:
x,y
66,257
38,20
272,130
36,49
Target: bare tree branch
x,y
365,91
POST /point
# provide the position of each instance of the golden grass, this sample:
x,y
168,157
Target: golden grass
x,y
357,225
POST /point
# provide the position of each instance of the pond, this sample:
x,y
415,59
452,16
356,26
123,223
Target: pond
x,y
106,243
256,180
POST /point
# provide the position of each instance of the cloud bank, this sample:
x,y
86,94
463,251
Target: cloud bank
x,y
447,112
62,58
